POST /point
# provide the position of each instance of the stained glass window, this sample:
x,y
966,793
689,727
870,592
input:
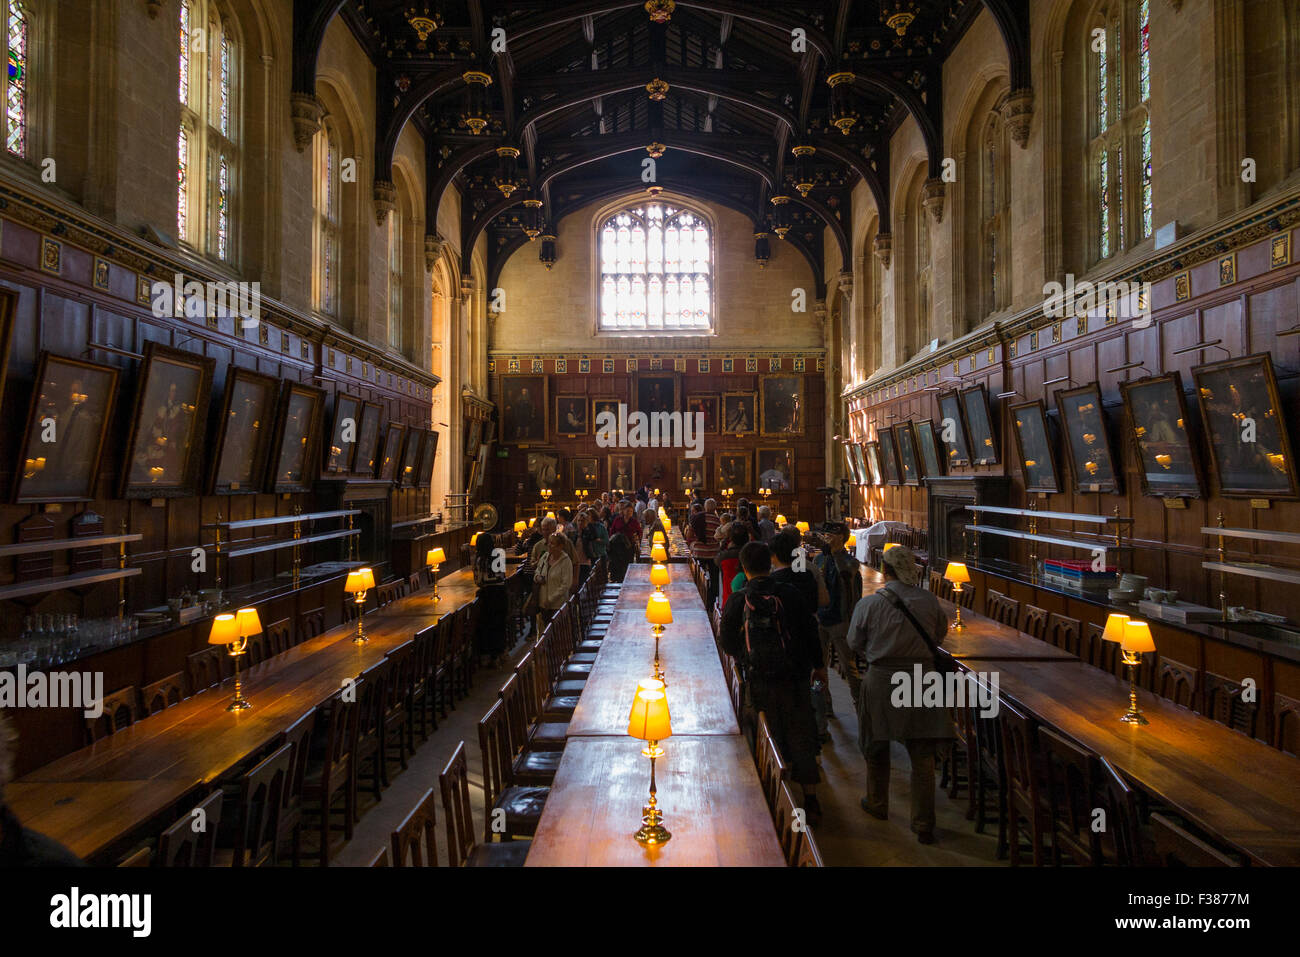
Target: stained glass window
x,y
1103,88
1144,51
1122,177
1103,180
223,208
654,270
16,92
1146,178
225,86
395,279
185,54
182,182
326,232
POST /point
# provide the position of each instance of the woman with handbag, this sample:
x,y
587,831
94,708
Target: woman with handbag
x,y
554,577
900,627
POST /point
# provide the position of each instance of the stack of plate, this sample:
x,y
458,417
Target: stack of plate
x,y
1130,588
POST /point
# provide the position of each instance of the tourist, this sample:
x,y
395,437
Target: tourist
x,y
492,603
555,575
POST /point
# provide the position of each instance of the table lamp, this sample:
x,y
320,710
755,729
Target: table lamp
x,y
227,630
359,582
957,574
780,521
658,553
473,539
659,577
650,722
433,558
657,537
659,613
1136,641
521,527
656,493
802,526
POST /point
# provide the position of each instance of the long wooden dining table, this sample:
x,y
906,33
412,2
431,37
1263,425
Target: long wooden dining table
x,y
95,799
1238,789
708,787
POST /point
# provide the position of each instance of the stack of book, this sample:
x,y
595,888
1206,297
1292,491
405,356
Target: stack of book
x,y
1078,574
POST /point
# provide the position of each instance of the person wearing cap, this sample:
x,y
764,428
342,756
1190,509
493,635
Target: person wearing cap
x,y
892,644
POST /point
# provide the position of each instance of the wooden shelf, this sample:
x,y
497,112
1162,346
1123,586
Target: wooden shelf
x,y
1049,539
282,519
1062,516
1291,538
290,542
1267,572
77,580
431,517
31,548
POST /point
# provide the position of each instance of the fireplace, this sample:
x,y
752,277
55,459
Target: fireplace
x,y
948,518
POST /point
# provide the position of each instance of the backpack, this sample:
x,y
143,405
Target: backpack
x,y
851,581
767,639
833,613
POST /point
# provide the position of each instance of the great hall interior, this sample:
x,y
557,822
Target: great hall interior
x,y
413,413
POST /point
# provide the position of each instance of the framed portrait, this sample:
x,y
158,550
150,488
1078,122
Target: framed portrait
x,y
1245,426
343,436
931,461
71,407
888,456
367,455
908,462
543,469
622,471
979,426
244,433
860,463
850,466
709,404
1156,415
166,439
1034,446
734,470
409,467
473,432
782,404
952,430
690,472
776,469
571,415
873,463
391,454
428,455
523,409
739,412
584,472
295,446
600,406
659,392
1087,440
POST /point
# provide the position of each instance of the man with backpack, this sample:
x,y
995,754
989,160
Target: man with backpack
x,y
843,579
770,631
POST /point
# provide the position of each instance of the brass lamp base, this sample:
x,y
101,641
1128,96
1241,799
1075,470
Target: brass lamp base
x,y
1134,714
651,833
1133,717
239,704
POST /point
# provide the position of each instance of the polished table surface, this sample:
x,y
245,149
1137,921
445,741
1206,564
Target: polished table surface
x,y
91,798
708,787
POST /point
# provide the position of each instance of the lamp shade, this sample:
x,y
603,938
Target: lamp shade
x,y
1137,637
248,621
659,575
659,537
658,552
650,684
656,493
359,580
532,522
889,545
957,573
1115,628
649,719
435,556
658,611
780,520
225,630
550,515
521,526
473,539
802,526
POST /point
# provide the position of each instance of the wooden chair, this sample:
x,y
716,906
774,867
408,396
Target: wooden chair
x,y
1000,608
988,773
311,623
120,710
380,859
462,848
413,583
260,803
1063,632
256,650
371,703
415,842
967,597
163,693
1225,703
809,856
1175,846
771,767
519,807
1035,622
1120,841
1098,653
1177,682
330,772
389,592
139,858
350,610
939,586
1286,723
1072,779
184,844
299,738
397,704
789,831
279,636
1025,789
205,668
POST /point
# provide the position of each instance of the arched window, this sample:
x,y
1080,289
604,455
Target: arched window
x,y
1120,115
325,221
395,279
995,217
656,271
207,155
923,278
18,41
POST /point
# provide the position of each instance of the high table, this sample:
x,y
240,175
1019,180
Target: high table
x,y
95,799
708,788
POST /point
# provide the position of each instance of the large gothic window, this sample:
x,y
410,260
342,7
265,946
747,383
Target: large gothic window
x,y
995,217
206,153
656,266
1119,150
18,42
395,279
326,229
